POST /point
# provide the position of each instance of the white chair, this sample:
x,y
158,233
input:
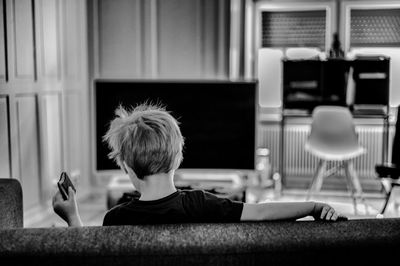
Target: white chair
x,y
333,139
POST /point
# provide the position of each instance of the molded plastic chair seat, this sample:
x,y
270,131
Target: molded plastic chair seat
x,y
333,153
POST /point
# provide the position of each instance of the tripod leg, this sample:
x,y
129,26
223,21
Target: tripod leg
x,y
387,199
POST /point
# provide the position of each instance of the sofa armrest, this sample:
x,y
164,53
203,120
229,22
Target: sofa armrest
x,y
11,212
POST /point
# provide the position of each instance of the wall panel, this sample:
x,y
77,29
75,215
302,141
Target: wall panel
x,y
51,141
179,40
120,38
72,132
269,70
29,156
2,43
43,45
76,142
72,27
209,38
5,158
48,17
160,39
24,58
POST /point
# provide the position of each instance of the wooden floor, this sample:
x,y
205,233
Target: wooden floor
x,y
92,206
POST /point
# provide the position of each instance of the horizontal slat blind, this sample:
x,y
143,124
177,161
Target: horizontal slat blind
x,y
294,29
375,28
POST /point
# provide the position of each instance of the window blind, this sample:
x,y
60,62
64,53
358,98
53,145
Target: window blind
x,y
294,29
375,28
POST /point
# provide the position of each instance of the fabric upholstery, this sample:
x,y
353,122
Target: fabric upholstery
x,y
11,212
360,242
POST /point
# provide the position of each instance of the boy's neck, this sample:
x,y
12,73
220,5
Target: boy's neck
x,y
157,186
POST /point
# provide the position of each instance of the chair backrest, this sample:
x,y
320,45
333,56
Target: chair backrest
x,y
396,141
11,212
333,126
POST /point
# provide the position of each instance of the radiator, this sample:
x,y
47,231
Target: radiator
x,y
298,162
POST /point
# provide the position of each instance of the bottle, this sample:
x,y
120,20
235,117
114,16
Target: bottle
x,y
264,168
336,50
277,184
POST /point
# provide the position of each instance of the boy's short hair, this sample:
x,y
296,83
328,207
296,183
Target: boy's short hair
x,y
147,138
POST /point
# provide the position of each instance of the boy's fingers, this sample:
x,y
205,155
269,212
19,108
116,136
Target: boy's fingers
x,y
323,212
334,217
57,196
329,214
71,193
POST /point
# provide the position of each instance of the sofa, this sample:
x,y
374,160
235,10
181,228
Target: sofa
x,y
356,242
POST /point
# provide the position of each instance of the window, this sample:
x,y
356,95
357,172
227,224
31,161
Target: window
x,y
375,28
294,28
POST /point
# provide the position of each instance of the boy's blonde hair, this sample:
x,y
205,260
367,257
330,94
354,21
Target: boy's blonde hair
x,y
147,138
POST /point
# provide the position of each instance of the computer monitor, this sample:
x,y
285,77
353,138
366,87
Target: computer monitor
x,y
217,118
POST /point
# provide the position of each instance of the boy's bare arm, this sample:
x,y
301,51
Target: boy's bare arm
x,y
288,210
67,209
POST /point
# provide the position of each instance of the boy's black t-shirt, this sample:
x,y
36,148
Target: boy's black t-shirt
x,y
182,206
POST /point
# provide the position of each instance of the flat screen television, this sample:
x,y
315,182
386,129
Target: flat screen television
x,y
217,118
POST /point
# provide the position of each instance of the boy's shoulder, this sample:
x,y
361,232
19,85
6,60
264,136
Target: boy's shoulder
x,y
191,192
114,212
181,206
197,196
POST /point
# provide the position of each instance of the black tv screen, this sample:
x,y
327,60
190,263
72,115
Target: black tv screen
x,y
217,118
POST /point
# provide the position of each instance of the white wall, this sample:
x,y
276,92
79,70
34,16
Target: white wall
x,y
43,95
159,39
270,77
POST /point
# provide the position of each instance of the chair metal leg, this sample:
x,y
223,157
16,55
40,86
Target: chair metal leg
x,y
331,171
357,184
320,177
350,187
354,178
317,181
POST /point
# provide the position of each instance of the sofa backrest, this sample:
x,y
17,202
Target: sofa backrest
x,y
362,242
11,212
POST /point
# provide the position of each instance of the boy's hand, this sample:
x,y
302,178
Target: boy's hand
x,y
325,212
67,209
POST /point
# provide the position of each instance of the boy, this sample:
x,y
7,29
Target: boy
x,y
147,144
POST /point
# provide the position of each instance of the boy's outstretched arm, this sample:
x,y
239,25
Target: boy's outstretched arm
x,y
272,211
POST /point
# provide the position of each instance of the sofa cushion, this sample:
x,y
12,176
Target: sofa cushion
x,y
252,243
